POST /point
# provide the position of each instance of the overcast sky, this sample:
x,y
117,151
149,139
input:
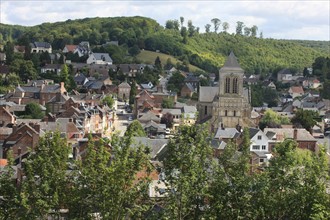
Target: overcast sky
x,y
286,19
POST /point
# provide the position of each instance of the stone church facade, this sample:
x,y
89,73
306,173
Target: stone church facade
x,y
227,105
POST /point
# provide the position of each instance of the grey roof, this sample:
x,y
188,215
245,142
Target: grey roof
x,y
253,132
51,88
302,134
124,85
189,109
231,62
148,116
218,144
173,111
41,44
155,145
160,127
102,56
261,154
207,93
28,89
284,71
226,133
190,87
97,84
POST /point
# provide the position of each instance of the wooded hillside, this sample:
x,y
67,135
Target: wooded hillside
x,y
205,50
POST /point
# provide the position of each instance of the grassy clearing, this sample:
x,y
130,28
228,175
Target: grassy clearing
x,y
149,57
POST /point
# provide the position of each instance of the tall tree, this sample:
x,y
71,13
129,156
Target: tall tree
x,y
293,185
44,186
216,24
106,182
187,169
254,30
64,75
230,191
225,26
181,22
135,129
247,31
239,28
207,28
9,50
305,118
24,68
191,28
9,192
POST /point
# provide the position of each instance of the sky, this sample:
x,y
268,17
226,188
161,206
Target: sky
x,y
304,19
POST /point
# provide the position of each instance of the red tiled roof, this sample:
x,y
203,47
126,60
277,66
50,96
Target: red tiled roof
x,y
297,89
3,162
71,47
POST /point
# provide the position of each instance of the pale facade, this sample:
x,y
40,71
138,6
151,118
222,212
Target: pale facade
x,y
229,104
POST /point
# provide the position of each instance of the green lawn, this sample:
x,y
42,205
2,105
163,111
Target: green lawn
x,y
149,57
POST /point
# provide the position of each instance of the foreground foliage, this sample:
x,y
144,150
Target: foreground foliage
x,y
200,182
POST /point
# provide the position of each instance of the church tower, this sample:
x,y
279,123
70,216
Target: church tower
x,y
231,107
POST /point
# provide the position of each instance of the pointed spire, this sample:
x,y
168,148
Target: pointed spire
x,y
231,61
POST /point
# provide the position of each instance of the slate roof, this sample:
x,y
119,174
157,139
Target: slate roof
x,y
51,89
173,111
218,144
148,116
31,89
226,133
190,87
155,145
281,133
253,132
284,71
160,127
231,62
102,56
207,93
40,44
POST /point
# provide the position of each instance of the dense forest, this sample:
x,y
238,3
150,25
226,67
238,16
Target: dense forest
x,y
178,38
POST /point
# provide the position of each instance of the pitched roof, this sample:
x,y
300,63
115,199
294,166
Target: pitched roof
x,y
281,133
102,56
207,93
156,145
226,133
231,62
297,89
71,47
41,44
124,85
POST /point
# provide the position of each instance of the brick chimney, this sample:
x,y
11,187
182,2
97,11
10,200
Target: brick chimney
x,y
295,133
62,89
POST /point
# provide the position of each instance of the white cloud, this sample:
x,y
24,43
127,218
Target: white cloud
x,y
278,19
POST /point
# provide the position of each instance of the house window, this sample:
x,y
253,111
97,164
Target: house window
x,y
235,85
256,147
205,110
263,147
226,112
227,85
261,160
259,137
234,113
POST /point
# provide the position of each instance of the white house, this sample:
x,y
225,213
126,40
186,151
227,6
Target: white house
x,y
259,145
39,47
99,58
